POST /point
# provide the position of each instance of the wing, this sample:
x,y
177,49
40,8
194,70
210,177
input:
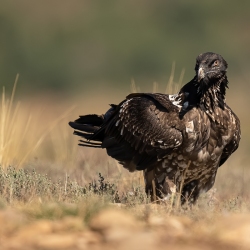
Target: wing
x,y
233,144
145,125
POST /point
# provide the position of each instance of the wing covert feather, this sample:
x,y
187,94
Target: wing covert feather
x,y
147,125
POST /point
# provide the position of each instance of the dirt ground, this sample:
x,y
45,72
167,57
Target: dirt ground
x,y
117,228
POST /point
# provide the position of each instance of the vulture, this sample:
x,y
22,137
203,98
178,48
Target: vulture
x,y
179,141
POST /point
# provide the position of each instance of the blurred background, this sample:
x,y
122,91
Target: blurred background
x,y
76,57
65,46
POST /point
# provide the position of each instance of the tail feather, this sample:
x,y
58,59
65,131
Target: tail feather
x,y
83,127
92,128
87,136
87,127
90,144
93,119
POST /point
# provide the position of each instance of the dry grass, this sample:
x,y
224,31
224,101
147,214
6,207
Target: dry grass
x,y
64,199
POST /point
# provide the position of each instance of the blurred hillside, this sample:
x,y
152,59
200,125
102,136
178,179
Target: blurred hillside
x,y
64,46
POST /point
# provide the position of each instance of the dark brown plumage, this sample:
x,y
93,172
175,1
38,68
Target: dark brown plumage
x,y
178,140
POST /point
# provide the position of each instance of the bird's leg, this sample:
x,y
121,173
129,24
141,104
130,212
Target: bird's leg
x,y
154,191
190,192
158,186
150,184
168,187
180,184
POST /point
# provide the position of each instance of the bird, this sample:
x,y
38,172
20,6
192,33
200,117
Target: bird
x,y
179,140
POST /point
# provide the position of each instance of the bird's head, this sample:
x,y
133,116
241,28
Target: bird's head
x,y
210,67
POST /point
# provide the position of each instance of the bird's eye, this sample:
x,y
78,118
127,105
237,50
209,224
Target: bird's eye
x,y
216,63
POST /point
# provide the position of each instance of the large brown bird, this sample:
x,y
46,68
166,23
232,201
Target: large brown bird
x,y
179,140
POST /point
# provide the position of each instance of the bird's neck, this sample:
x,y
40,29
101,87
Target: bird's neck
x,y
202,95
212,96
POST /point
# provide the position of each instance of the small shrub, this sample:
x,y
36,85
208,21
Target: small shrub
x,y
25,186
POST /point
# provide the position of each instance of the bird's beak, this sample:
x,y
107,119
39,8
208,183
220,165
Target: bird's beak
x,y
201,74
